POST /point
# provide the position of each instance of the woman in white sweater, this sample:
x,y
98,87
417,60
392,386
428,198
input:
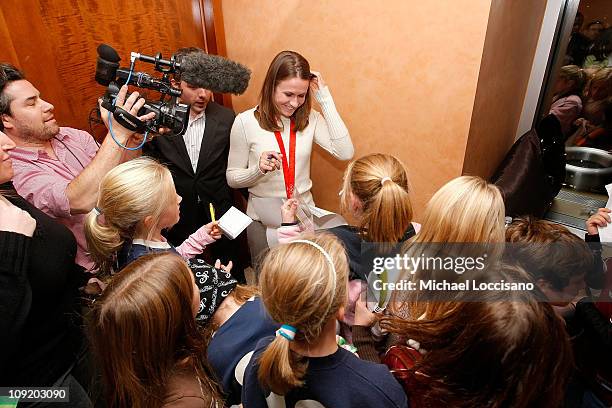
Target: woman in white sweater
x,y
271,144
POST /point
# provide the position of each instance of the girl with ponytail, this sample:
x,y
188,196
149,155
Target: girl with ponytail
x,y
136,201
376,193
304,288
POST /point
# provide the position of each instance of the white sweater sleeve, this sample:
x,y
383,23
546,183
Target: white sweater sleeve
x,y
330,131
239,174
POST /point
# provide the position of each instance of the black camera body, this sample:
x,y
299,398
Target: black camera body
x,y
169,113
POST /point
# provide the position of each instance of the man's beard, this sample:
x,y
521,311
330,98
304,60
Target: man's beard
x,y
32,135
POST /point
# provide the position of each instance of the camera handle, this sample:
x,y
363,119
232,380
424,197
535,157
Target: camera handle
x,y
126,119
129,121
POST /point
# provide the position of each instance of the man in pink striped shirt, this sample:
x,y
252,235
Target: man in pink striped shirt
x,y
58,169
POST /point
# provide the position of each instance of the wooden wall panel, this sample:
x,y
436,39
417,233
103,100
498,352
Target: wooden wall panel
x,y
54,42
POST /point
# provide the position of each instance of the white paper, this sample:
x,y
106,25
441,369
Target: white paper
x,y
605,233
319,212
234,222
324,219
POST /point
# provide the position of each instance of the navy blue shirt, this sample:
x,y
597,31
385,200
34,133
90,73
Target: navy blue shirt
x,y
131,251
231,348
340,380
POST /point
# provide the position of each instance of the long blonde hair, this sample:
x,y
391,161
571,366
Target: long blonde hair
x,y
467,209
143,332
128,193
299,288
380,183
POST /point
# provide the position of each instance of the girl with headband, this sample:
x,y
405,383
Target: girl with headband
x,y
304,288
376,193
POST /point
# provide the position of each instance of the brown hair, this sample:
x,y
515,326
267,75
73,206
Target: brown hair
x,y
299,288
286,65
387,210
549,251
143,332
493,353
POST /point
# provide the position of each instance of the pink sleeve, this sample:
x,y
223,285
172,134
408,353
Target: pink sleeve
x,y
43,190
195,244
288,233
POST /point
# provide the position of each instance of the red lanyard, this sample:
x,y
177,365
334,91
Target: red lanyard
x,y
288,172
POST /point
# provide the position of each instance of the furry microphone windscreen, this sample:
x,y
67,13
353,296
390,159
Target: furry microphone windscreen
x,y
218,74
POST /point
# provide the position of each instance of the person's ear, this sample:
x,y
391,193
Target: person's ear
x,y
340,313
7,121
356,204
148,222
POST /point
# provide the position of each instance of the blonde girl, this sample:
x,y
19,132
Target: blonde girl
x,y
304,288
466,210
136,201
376,193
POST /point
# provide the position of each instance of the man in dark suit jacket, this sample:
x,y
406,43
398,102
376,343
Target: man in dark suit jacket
x,y
198,161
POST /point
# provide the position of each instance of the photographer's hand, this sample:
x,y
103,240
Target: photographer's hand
x,y
82,191
132,105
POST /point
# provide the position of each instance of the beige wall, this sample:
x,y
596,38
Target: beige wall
x,y
404,74
509,49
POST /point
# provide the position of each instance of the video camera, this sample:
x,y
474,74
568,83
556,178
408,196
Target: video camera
x,y
169,113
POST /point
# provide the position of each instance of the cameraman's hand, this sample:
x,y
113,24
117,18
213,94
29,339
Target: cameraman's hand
x,y
132,105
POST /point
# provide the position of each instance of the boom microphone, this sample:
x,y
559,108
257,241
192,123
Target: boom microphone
x,y
218,74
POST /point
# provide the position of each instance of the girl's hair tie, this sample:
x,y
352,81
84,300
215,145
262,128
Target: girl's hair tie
x,y
287,332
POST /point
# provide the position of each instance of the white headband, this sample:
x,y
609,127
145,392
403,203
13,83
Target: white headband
x,y
329,261
324,252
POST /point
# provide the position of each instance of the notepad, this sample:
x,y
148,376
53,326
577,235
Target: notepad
x,y
234,222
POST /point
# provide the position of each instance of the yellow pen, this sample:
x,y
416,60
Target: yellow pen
x,y
212,212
